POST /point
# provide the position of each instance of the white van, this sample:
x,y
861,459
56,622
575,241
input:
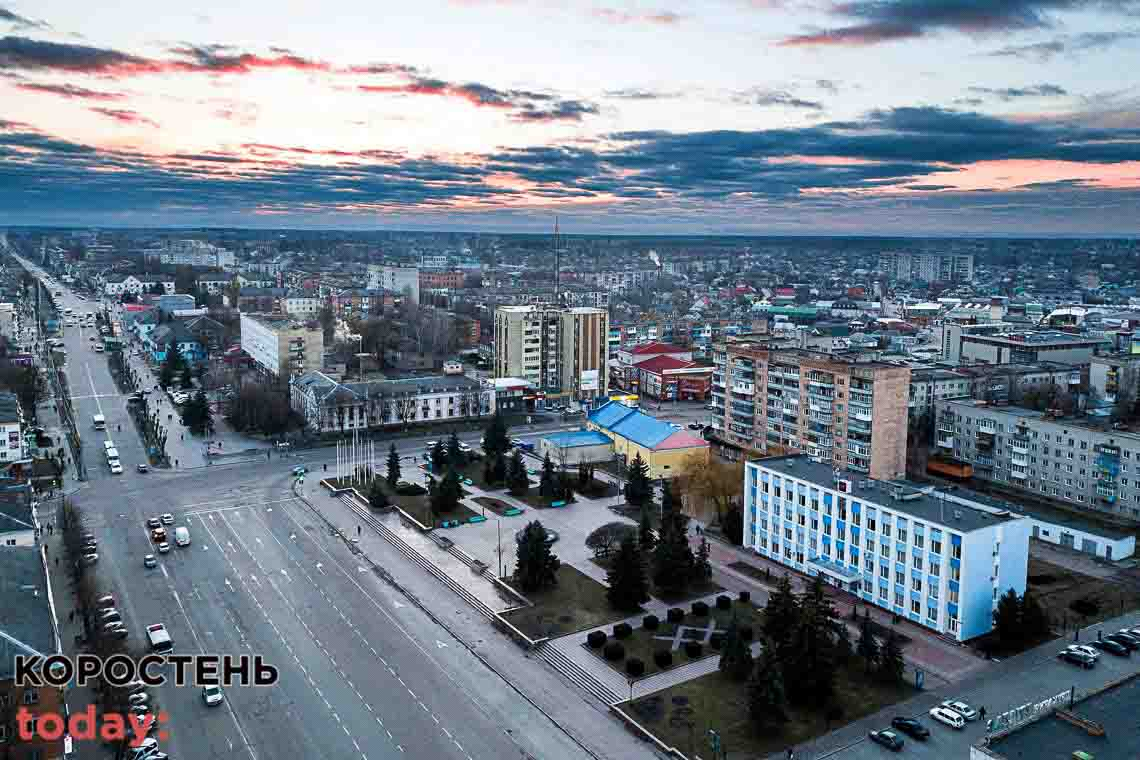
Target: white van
x,y
108,445
112,455
159,639
182,536
100,422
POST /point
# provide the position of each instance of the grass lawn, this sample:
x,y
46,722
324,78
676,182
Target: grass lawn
x,y
692,592
681,715
643,644
1065,594
417,505
532,498
577,602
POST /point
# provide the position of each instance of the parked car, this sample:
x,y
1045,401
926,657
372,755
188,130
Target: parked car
x,y
163,548
142,467
911,727
1077,658
158,535
167,518
960,707
947,716
1131,643
888,739
116,468
153,522
1084,648
1112,647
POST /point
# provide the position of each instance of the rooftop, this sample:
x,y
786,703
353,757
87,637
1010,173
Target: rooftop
x,y
960,510
659,364
642,429
1040,338
657,347
276,321
575,438
1052,737
25,609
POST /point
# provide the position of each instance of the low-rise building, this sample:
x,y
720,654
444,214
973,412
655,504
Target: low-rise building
x,y
662,446
11,429
163,336
572,448
668,379
329,406
301,304
1030,348
282,347
939,559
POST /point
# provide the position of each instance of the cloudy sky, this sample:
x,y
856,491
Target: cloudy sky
x,y
702,116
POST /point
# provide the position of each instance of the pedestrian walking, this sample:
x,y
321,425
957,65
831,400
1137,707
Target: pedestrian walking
x,y
983,712
57,561
358,530
71,616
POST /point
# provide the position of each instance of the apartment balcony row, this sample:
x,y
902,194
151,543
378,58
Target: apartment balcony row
x,y
743,389
858,426
946,442
859,450
821,417
860,412
819,405
1019,445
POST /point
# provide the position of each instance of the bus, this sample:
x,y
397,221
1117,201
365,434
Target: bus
x,y
99,421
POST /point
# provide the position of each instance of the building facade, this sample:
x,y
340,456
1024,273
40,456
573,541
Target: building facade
x,y
848,414
562,351
1116,377
906,266
282,347
941,560
329,406
399,280
12,447
1030,348
1063,459
663,448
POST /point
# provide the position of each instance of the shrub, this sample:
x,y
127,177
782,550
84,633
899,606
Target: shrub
x,y
675,615
723,602
596,639
716,641
693,649
650,622
746,632
745,596
614,651
663,658
635,667
622,631
410,489
700,609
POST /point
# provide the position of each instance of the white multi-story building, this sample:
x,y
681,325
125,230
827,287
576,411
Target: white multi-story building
x,y
939,559
9,320
906,266
191,253
11,430
302,305
120,284
282,347
399,280
562,351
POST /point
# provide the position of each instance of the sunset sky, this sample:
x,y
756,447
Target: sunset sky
x,y
707,116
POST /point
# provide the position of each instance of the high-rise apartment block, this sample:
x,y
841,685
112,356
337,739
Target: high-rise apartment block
x,y
403,281
940,559
848,414
563,351
927,267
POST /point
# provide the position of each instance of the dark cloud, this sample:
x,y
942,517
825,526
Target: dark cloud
x,y
524,105
224,59
1067,44
20,22
875,21
124,116
759,96
70,91
1013,93
26,54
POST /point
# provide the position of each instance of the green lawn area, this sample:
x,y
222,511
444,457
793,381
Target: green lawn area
x,y
682,715
642,644
498,506
576,603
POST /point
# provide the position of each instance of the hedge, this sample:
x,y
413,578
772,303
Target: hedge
x,y
663,658
700,609
675,615
693,649
723,602
635,667
623,631
650,622
596,639
614,651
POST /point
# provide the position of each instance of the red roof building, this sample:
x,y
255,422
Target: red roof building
x,y
668,378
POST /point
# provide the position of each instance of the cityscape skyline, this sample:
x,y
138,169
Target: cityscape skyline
x,y
864,118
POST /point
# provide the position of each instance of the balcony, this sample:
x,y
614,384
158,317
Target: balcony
x,y
821,417
1020,445
858,426
983,461
860,412
743,389
1018,472
987,426
946,442
1020,460
863,451
819,405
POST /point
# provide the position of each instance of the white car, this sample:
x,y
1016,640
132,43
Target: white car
x,y
961,708
1090,651
212,695
116,468
947,716
167,518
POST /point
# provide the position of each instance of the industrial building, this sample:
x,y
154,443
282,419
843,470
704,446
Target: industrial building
x,y
1030,348
938,559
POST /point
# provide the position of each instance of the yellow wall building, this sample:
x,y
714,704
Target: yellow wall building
x,y
663,447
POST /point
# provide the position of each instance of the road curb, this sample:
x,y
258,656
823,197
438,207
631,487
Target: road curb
x,y
387,576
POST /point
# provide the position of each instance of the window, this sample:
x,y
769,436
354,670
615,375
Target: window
x,y
884,572
871,524
955,574
868,563
916,584
936,546
815,523
915,606
884,551
902,535
31,696
788,533
952,596
933,591
870,545
882,593
917,563
900,556
899,577
898,599
935,570
919,541
956,551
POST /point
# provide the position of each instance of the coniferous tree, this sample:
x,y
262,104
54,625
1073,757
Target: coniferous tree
x,y
891,664
866,647
638,489
1034,621
736,659
767,700
629,588
843,647
495,438
781,616
645,536
377,498
809,671
702,568
498,469
672,557
456,459
548,481
1007,620
517,478
449,493
393,476
186,378
536,566
438,458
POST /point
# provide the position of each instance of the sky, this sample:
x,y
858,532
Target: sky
x,y
874,117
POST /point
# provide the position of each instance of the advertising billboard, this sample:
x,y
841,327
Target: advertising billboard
x,y
591,380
